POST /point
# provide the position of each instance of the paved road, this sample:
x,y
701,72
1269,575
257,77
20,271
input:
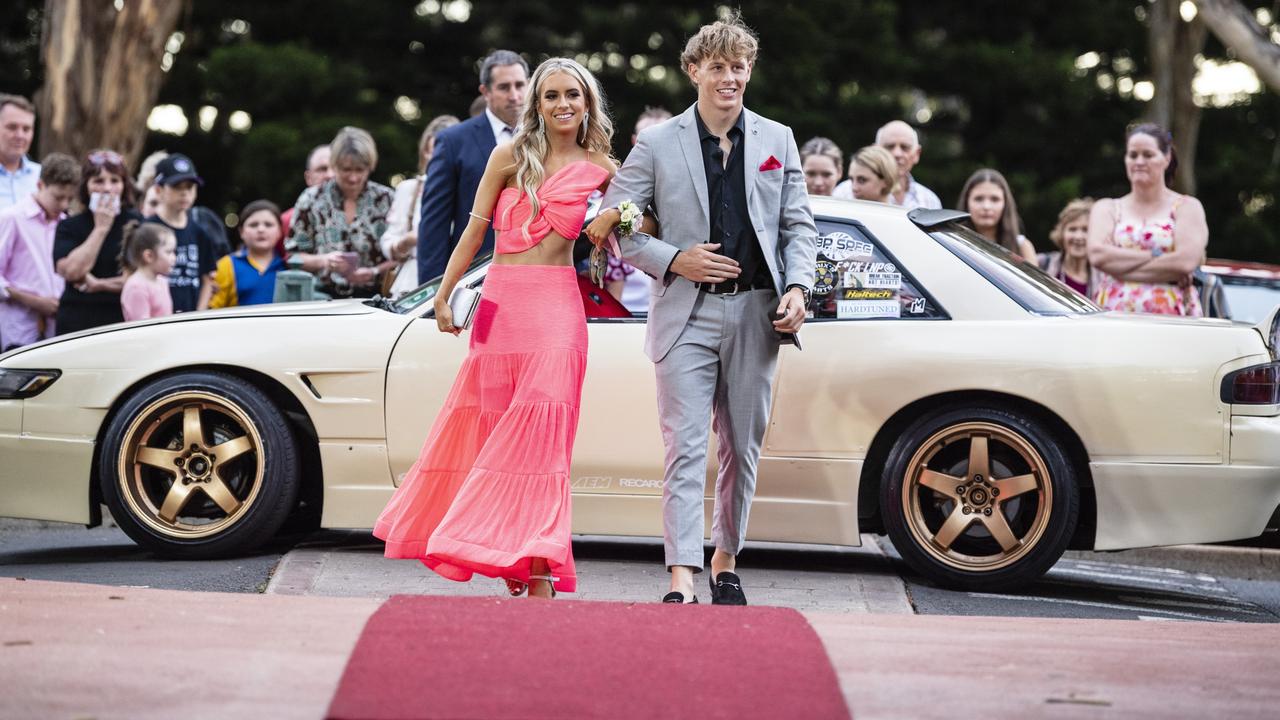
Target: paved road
x,y
809,578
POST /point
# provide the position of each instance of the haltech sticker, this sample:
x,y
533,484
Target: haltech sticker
x,y
860,294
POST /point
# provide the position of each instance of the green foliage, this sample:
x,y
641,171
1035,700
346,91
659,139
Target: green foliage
x,y
988,83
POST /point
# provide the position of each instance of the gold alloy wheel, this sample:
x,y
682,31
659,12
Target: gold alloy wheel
x,y
977,496
183,443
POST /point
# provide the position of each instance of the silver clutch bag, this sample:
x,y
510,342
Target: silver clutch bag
x,y
463,302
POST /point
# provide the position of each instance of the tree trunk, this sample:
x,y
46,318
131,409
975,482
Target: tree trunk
x,y
102,73
1236,28
1173,45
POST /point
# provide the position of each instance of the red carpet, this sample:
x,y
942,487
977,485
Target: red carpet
x,y
448,657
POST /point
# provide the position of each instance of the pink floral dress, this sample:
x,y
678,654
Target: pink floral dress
x,y
1144,297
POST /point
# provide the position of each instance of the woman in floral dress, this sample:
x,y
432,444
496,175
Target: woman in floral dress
x,y
1148,242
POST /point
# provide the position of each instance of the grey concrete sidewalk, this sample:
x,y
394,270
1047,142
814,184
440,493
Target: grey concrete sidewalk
x,y
835,580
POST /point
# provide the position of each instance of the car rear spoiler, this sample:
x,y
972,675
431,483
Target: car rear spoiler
x,y
929,219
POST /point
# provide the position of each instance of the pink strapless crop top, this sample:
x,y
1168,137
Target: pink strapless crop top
x,y
562,206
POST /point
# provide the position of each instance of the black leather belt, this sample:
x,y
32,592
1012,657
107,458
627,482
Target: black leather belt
x,y
733,287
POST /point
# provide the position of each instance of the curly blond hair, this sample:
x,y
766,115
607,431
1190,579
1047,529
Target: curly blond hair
x,y
728,39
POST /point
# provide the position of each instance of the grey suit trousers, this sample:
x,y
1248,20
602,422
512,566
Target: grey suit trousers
x,y
720,368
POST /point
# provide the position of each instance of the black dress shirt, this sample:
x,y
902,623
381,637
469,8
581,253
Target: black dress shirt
x,y
727,203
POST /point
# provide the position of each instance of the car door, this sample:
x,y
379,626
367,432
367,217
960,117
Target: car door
x,y
867,314
618,456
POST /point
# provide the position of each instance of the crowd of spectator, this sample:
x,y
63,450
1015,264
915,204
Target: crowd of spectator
x,y
1135,253
128,240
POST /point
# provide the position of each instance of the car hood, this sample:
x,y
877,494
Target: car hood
x,y
296,309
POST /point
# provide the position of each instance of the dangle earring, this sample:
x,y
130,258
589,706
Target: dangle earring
x,y
586,124
542,125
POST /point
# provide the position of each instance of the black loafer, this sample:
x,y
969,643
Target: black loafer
x,y
677,598
726,589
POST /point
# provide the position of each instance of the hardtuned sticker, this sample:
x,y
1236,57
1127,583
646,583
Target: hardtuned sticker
x,y
824,277
851,309
840,246
890,280
873,294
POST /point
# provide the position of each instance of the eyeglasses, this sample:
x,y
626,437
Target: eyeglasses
x,y
105,157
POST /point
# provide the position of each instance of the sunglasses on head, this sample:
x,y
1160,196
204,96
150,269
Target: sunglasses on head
x,y
105,157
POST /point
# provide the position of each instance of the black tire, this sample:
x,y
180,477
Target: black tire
x,y
922,521
225,496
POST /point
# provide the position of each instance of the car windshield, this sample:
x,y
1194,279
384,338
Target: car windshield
x,y
1027,284
426,292
1250,302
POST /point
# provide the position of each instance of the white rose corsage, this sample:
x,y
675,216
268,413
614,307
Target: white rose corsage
x,y
629,216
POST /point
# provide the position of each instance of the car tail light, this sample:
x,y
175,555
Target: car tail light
x,y
1256,385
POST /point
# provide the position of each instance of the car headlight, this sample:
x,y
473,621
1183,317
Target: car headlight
x,y
18,384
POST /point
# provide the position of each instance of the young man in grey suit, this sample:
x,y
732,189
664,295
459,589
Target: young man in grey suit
x,y
734,267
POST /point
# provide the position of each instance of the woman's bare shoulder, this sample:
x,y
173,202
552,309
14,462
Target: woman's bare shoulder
x,y
503,155
604,161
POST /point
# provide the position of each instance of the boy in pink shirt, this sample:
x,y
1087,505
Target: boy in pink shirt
x,y
29,286
148,253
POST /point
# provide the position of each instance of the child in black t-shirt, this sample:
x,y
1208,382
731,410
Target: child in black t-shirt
x,y
191,281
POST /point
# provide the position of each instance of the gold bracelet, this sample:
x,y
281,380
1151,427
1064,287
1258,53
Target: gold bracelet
x,y
481,218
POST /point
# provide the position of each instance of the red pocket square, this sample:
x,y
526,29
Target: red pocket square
x,y
770,164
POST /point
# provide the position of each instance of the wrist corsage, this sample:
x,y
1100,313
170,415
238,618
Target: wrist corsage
x,y
629,217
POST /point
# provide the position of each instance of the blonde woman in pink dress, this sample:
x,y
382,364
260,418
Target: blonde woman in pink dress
x,y
490,491
1148,242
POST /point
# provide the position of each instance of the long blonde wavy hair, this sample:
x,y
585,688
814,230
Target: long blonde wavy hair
x,y
530,146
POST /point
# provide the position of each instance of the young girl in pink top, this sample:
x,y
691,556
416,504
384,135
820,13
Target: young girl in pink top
x,y
148,255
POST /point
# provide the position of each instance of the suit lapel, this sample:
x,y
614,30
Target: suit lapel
x,y
753,158
484,136
691,144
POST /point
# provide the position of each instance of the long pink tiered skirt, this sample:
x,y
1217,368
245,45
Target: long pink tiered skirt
x,y
490,491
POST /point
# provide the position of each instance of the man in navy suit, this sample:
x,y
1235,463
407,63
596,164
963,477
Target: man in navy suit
x,y
461,154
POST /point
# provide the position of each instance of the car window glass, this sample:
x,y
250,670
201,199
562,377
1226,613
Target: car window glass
x,y
418,298
1022,280
856,279
1250,302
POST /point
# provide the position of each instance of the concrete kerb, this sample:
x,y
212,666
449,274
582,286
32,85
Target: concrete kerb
x,y
1246,563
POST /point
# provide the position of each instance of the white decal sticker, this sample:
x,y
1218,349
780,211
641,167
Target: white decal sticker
x,y
868,308
868,267
916,307
888,280
640,483
841,246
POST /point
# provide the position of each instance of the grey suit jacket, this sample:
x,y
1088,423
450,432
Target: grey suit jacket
x,y
665,170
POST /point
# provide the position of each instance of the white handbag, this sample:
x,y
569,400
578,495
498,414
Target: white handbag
x,y
463,302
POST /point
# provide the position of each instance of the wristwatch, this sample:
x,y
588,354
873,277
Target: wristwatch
x,y
808,294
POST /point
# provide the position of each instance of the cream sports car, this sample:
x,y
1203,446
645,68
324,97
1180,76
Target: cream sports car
x,y
978,412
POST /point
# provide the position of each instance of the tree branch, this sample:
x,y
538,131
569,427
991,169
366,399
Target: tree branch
x,y
1233,25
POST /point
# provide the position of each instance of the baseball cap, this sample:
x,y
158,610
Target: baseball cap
x,y
175,169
